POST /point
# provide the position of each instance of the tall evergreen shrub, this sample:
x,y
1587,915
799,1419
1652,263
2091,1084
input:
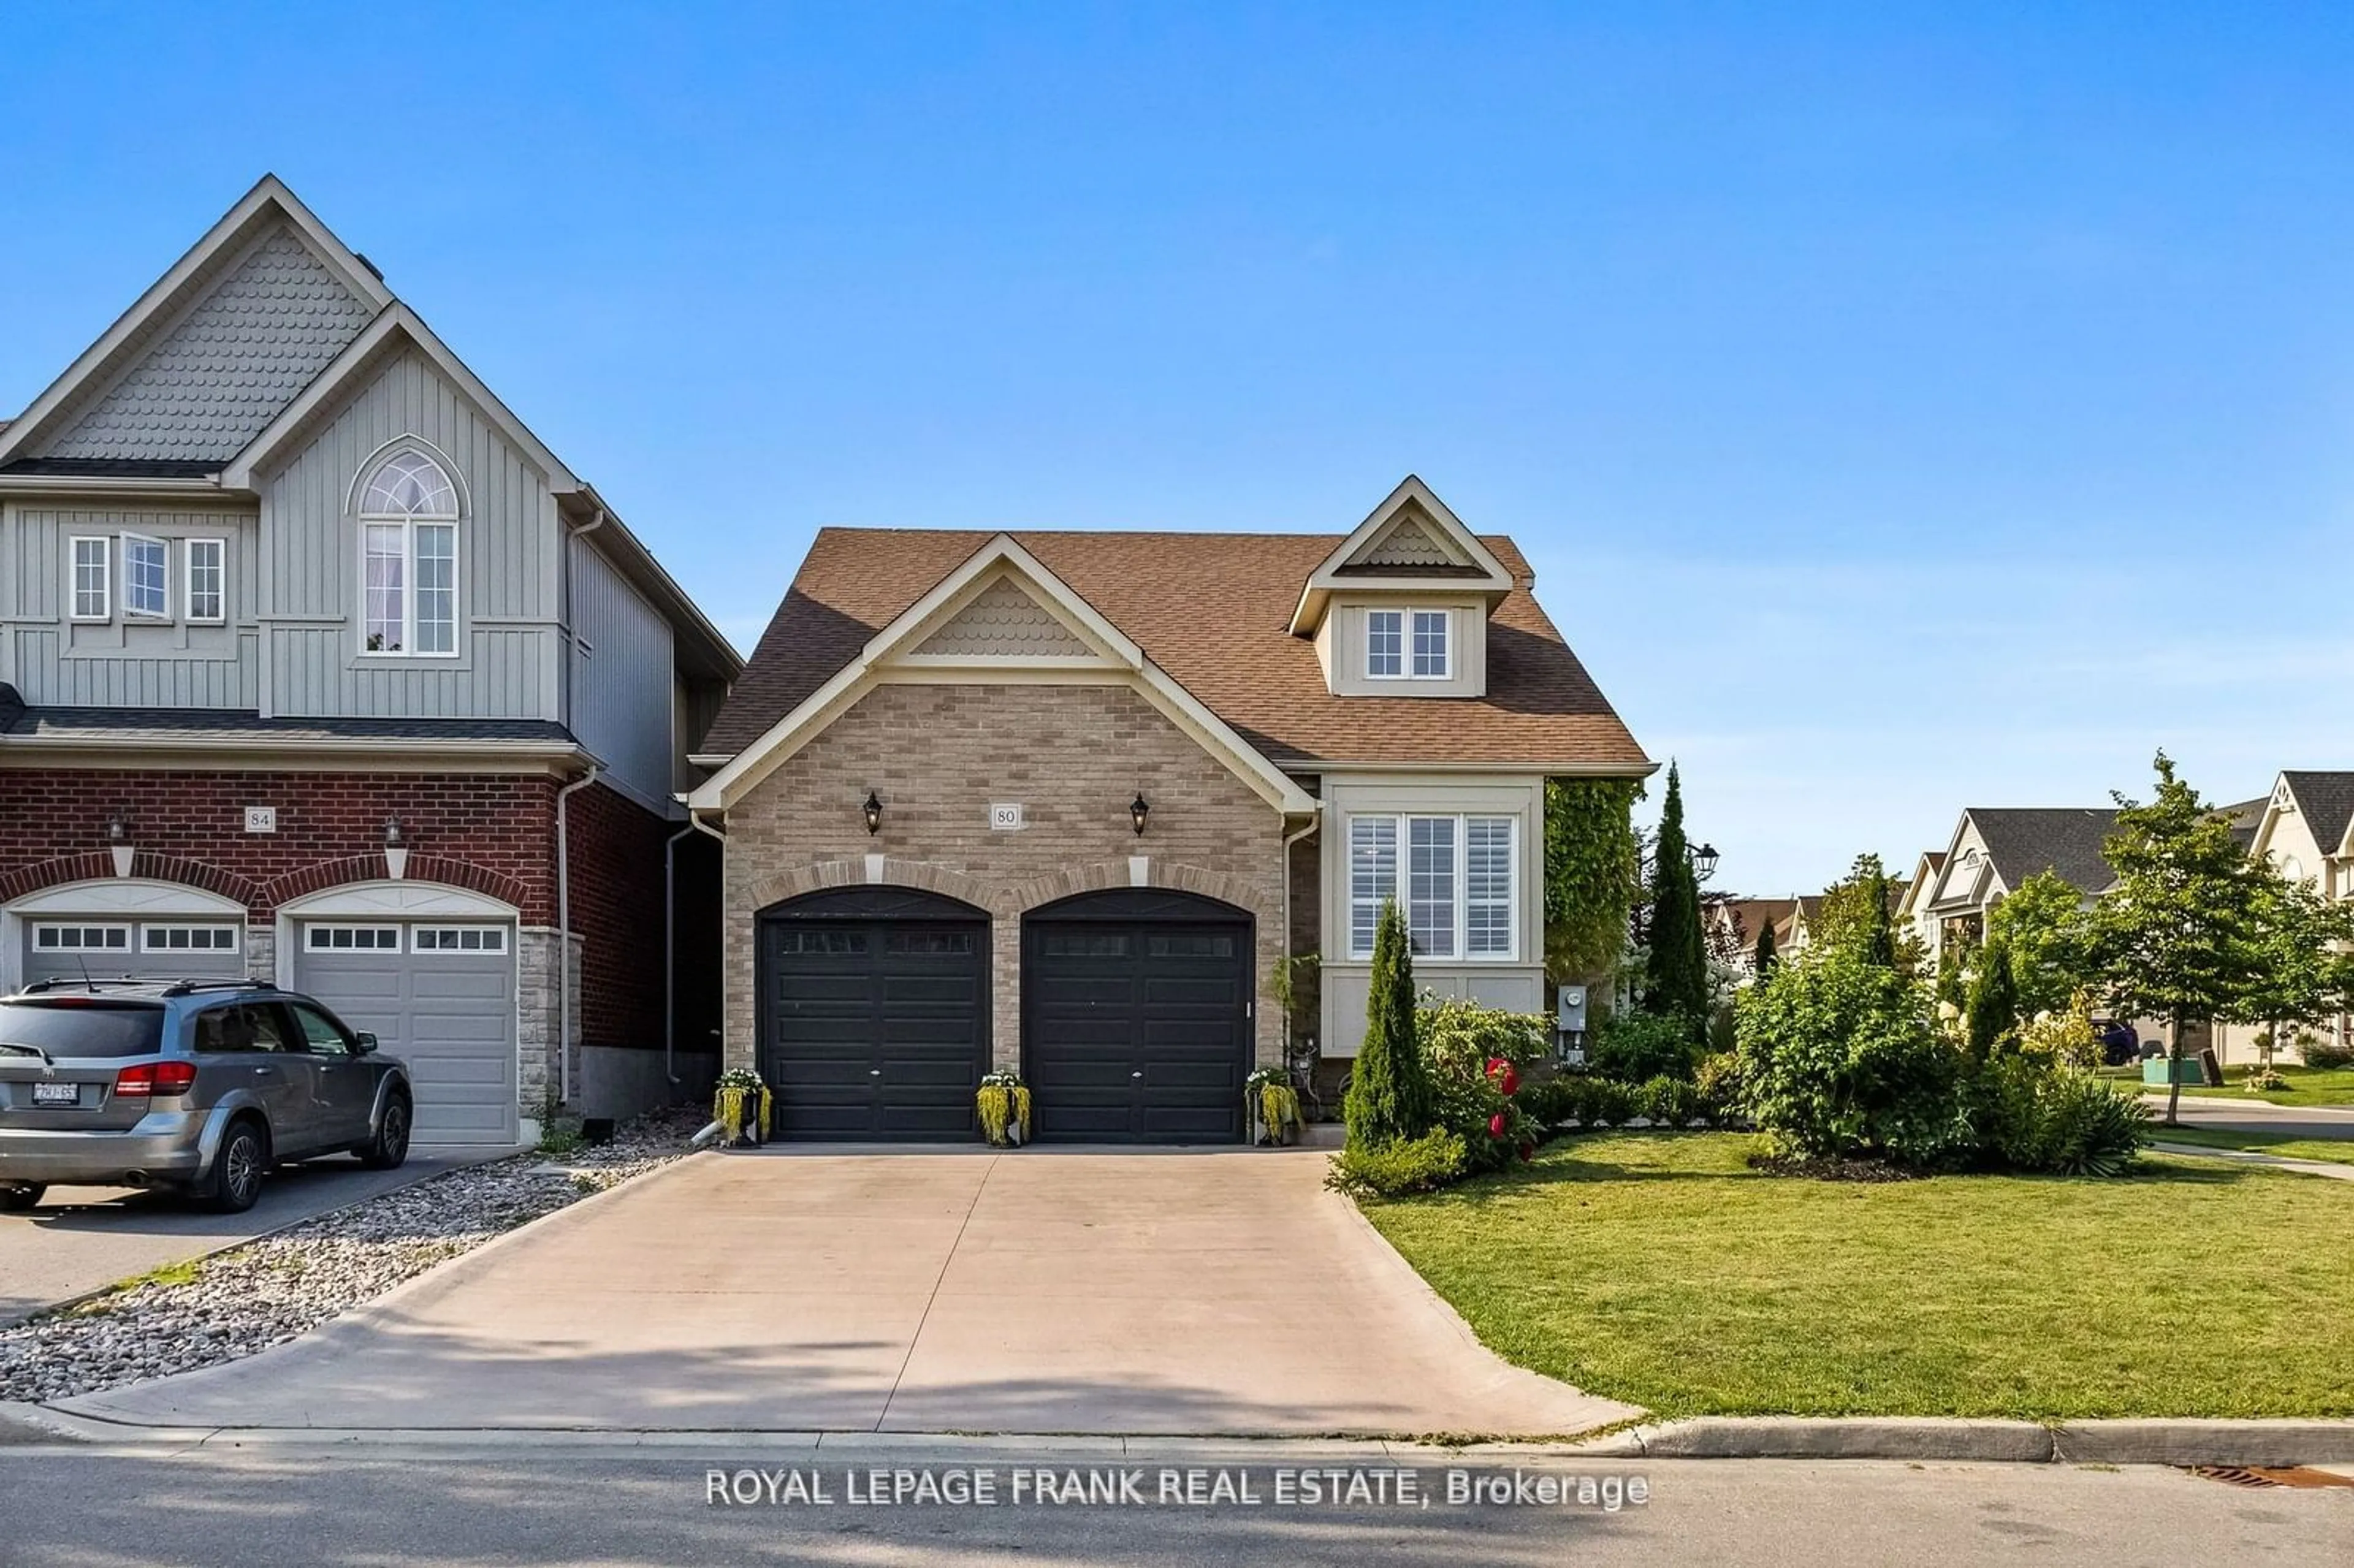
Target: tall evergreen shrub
x,y
1676,976
1389,1090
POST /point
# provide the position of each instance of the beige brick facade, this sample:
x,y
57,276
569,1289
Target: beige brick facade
x,y
938,756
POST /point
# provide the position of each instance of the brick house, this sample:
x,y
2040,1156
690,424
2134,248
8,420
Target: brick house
x,y
1063,802
315,663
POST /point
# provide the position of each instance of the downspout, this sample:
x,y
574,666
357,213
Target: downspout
x,y
670,936
563,935
563,844
1290,840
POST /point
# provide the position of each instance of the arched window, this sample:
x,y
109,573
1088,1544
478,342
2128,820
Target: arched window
x,y
408,557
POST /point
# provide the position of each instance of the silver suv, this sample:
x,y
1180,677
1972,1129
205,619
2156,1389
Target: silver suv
x,y
191,1086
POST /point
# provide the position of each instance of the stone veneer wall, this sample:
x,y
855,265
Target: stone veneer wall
x,y
938,756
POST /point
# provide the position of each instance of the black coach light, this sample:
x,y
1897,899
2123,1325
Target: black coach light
x,y
874,811
1705,861
1137,810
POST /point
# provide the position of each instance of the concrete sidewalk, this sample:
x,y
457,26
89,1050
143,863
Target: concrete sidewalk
x,y
1042,1291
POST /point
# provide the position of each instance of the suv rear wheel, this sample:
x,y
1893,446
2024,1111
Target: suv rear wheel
x,y
389,1148
19,1196
237,1169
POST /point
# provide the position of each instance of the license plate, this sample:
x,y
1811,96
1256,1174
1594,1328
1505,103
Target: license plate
x,y
57,1094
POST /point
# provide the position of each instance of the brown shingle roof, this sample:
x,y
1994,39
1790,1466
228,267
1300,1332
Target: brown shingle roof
x,y
1215,611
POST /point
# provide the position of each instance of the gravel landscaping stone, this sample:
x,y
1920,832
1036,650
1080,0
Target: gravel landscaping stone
x,y
249,1297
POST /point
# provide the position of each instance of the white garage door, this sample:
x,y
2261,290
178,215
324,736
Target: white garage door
x,y
440,996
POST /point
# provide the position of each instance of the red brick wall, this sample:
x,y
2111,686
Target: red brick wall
x,y
617,913
491,832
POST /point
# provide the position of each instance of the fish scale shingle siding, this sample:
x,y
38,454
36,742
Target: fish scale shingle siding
x,y
213,381
1007,623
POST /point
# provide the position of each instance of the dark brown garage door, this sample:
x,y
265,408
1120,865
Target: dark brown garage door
x,y
873,1014
1136,1017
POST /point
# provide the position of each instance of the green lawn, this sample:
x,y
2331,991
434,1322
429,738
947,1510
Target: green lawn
x,y
2307,1086
2339,1149
1660,1269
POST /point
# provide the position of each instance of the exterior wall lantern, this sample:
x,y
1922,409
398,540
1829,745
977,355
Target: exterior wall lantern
x,y
118,840
872,811
1138,810
395,849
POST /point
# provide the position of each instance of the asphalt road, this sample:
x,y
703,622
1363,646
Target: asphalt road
x,y
80,1239
334,1506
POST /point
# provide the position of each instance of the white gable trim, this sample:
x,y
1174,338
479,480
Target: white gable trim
x,y
260,208
1122,663
1411,490
397,326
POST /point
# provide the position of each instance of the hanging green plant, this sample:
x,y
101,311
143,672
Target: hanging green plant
x,y
742,1106
1270,1101
1004,1103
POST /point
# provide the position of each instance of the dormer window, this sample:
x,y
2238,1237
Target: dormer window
x,y
408,557
1409,644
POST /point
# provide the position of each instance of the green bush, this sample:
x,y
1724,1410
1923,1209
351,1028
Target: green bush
x,y
1842,1058
1607,1103
1401,1166
1389,1093
2088,1128
1670,1102
1634,1047
1549,1103
1470,1054
1716,1083
2325,1053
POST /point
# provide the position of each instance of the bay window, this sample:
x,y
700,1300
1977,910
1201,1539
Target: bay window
x,y
1455,886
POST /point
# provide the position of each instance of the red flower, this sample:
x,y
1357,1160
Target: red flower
x,y
1528,1152
1498,1065
1511,1083
1497,1125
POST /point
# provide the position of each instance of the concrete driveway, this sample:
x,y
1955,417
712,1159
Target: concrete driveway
x,y
1033,1292
80,1239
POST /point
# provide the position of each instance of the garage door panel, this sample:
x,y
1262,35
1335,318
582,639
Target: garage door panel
x,y
448,1016
1136,1028
875,1030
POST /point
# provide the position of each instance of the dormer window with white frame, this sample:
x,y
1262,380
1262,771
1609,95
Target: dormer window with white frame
x,y
1409,644
408,558
146,578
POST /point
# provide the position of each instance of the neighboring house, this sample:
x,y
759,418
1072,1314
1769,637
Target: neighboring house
x,y
1061,803
1737,922
1995,849
315,663
1912,910
2302,830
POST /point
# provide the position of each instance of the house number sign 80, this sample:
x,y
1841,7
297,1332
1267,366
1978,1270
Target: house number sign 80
x,y
1005,817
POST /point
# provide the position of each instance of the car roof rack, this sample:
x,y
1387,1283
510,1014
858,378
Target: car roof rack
x,y
185,987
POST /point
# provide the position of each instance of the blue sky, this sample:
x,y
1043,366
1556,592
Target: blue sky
x,y
1903,407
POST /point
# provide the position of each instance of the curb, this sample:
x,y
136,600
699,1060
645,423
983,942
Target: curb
x,y
2101,1442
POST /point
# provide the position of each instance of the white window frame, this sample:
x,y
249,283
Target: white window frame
x,y
164,546
409,524
1407,616
81,942
487,940
214,929
219,568
319,937
74,611
1402,837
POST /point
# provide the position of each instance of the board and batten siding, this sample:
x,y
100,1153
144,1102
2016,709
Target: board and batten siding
x,y
621,678
509,560
54,660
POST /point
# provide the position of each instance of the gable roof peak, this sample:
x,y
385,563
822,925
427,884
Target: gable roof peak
x,y
1446,555
181,291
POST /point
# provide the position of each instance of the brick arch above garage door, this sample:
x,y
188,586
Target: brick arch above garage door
x,y
98,865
